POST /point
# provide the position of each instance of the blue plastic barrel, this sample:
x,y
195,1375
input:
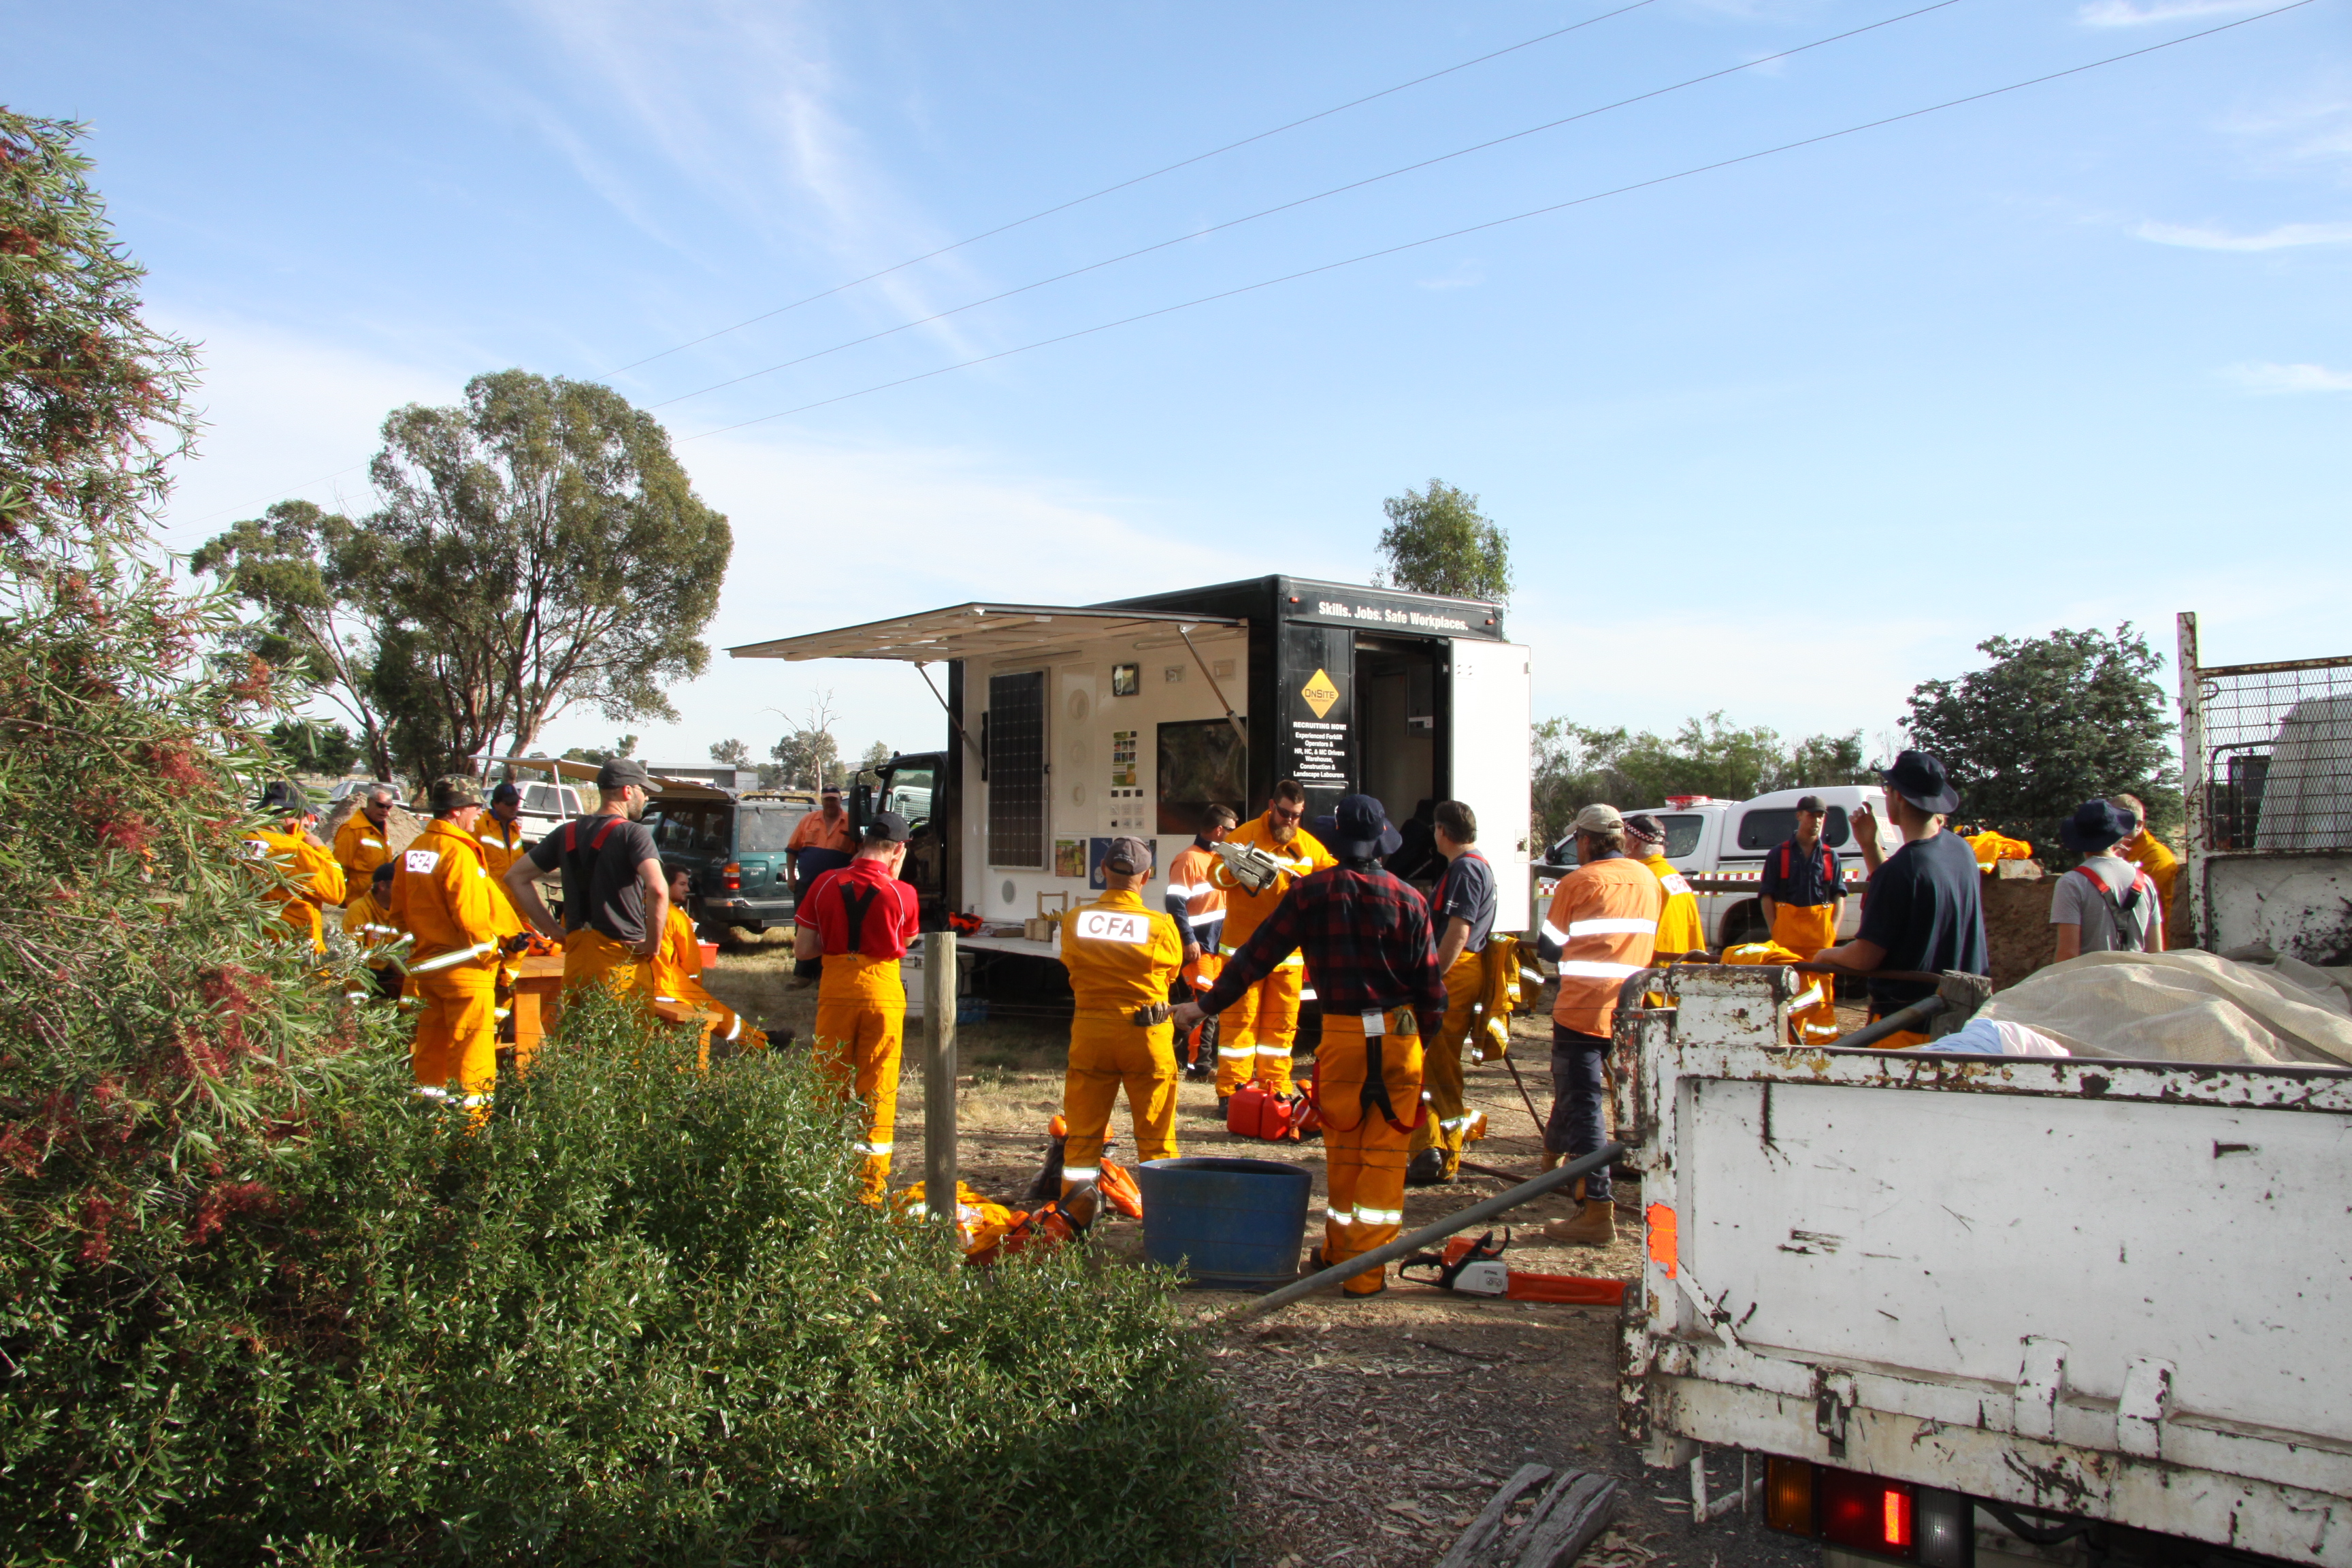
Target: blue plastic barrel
x,y
1228,1222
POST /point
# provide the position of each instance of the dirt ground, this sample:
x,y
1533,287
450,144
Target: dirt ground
x,y
1379,1427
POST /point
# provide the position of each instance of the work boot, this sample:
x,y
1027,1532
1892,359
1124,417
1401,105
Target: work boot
x,y
1222,1102
1594,1224
1427,1169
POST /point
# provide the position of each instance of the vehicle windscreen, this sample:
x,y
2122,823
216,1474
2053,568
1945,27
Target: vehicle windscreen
x,y
1683,829
765,829
1771,826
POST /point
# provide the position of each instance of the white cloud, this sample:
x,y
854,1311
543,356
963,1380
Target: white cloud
x,y
2286,236
2126,14
2290,378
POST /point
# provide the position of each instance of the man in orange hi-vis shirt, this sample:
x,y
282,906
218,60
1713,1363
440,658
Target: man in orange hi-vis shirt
x,y
821,841
1197,905
1255,1034
441,893
1601,931
860,919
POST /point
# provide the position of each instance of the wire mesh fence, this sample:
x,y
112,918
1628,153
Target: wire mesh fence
x,y
2278,755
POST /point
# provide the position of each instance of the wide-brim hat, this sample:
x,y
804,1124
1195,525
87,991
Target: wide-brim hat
x,y
1919,778
2097,824
1360,829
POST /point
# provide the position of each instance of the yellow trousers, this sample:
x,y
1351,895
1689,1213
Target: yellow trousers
x,y
1107,1053
861,1024
590,957
1805,928
456,1030
1365,1157
1448,1121
1255,1034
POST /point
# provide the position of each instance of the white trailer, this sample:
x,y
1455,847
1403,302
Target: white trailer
x,y
1068,725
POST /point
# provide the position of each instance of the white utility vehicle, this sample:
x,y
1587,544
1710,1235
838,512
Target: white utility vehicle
x,y
1995,1310
1723,844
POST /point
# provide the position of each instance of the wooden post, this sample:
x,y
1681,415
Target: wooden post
x,y
940,1073
2193,782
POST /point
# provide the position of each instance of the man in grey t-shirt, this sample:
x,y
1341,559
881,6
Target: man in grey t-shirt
x,y
2107,904
615,896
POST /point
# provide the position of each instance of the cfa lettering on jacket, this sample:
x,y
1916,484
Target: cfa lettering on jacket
x,y
1114,925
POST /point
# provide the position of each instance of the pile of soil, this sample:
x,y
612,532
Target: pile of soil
x,y
2017,921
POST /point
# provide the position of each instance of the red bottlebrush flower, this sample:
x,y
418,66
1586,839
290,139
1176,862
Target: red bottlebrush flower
x,y
230,990
98,1217
176,763
131,833
22,1147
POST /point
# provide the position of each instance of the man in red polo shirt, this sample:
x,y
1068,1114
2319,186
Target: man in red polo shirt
x,y
859,919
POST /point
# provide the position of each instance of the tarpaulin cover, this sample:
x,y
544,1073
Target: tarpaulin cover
x,y
2186,1008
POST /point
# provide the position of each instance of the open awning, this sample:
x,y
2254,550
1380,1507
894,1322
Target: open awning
x,y
976,631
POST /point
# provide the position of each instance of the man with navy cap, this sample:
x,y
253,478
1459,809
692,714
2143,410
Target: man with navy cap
x,y
1924,909
1365,939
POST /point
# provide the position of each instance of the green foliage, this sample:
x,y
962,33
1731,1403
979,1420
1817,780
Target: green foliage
x,y
809,757
638,1316
305,746
1575,766
733,755
1437,541
2051,722
626,746
93,402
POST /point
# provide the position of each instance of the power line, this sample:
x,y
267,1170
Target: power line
x,y
264,501
1191,235
1137,180
1515,217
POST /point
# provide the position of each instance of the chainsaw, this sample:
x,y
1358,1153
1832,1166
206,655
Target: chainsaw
x,y
1250,867
1477,1269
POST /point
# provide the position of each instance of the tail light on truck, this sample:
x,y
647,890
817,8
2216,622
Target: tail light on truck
x,y
730,877
1894,1520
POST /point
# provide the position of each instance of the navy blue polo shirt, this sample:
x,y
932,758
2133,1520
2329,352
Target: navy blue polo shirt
x,y
1813,877
1926,907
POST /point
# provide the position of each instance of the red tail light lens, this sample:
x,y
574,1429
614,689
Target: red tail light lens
x,y
730,877
1868,1515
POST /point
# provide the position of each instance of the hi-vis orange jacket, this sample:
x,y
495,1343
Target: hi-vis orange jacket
x,y
1202,901
1602,928
1120,955
442,893
1246,910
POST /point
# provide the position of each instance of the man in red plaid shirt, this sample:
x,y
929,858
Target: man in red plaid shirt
x,y
1365,939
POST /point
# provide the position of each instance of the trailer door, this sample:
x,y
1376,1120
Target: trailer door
x,y
1489,731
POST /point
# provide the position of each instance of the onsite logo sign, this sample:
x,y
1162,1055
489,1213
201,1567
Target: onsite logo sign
x,y
1319,693
1111,926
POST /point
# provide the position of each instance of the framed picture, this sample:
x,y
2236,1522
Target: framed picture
x,y
1069,856
1126,679
1202,763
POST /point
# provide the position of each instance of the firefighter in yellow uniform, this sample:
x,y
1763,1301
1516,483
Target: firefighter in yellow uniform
x,y
1198,907
1122,957
677,977
1255,1034
1462,911
1366,937
299,876
1803,892
364,842
441,892
1681,930
367,921
859,919
616,894
500,834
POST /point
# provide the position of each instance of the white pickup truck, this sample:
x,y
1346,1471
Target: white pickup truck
x,y
1998,1310
1723,843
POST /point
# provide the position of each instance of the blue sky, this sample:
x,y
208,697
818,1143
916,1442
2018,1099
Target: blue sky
x,y
1780,439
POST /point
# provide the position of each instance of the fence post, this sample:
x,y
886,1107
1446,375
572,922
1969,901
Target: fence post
x,y
2194,773
940,1073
